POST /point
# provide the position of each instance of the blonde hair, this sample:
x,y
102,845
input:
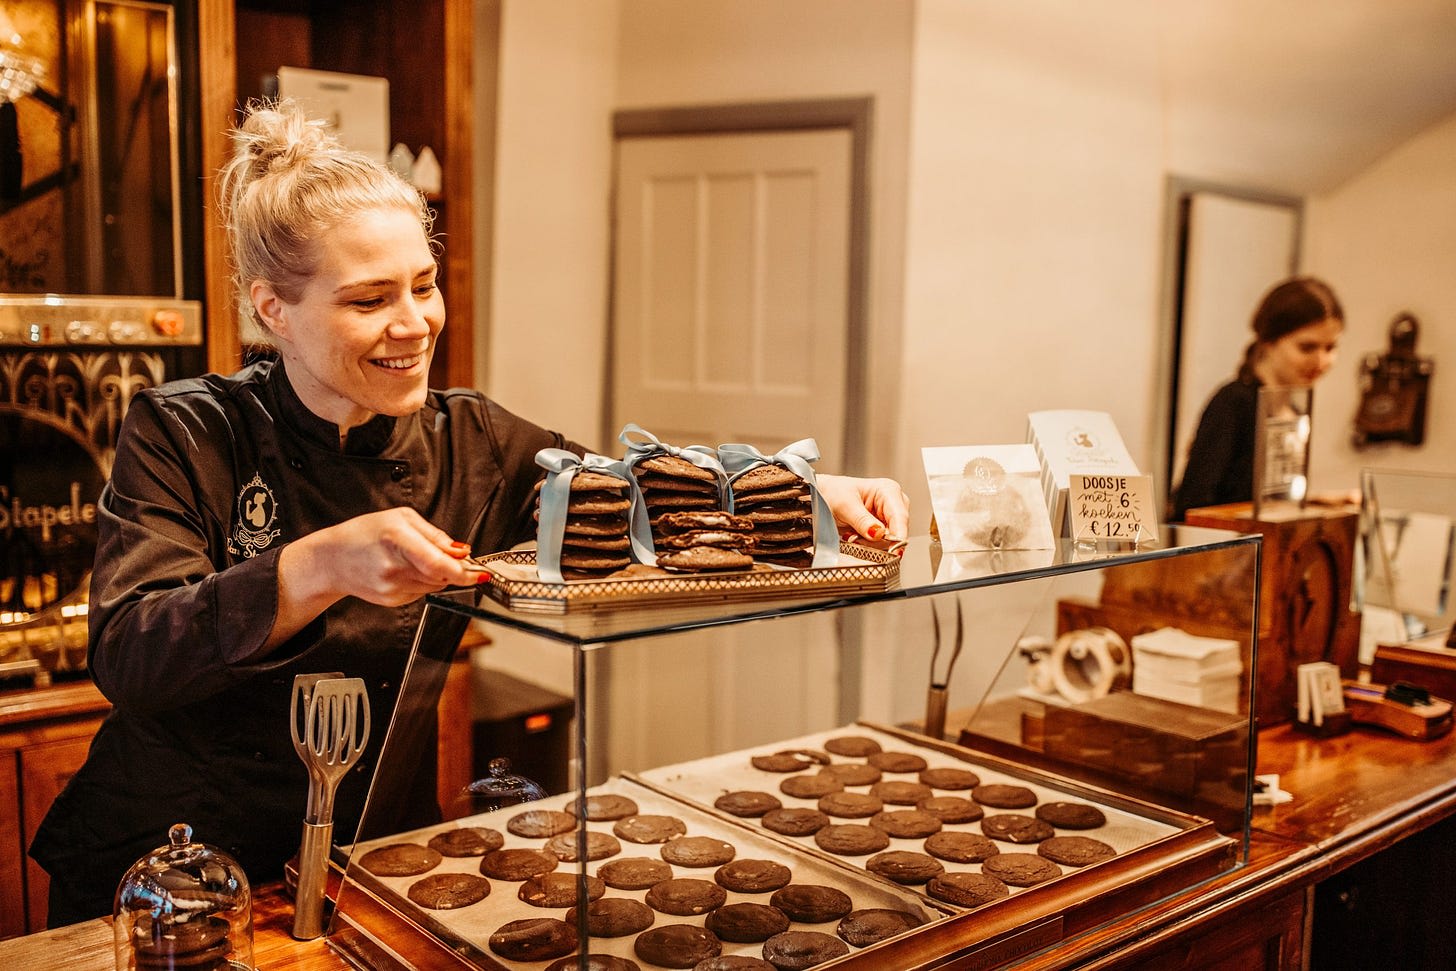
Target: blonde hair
x,y
288,182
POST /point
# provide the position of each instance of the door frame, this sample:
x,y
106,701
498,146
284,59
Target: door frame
x,y
853,114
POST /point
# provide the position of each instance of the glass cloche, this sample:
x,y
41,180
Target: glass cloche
x,y
184,905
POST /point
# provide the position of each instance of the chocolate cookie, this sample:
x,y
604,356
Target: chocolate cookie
x,y
167,943
951,809
776,512
946,778
850,805
852,746
517,864
1000,796
558,889
794,822
721,538
874,924
791,531
599,846
797,950
764,477
896,761
596,504
747,923
649,828
781,762
966,889
589,561
686,897
677,945
634,873
676,467
595,526
585,480
961,847
467,841
1075,850
1071,815
660,502
1020,869
674,522
652,480
745,500
901,793
401,860
753,876
907,823
747,803
595,962
903,866
732,962
448,891
698,851
809,903
1016,828
853,773
614,917
811,786
540,823
705,559
851,839
604,807
534,939
590,544
798,560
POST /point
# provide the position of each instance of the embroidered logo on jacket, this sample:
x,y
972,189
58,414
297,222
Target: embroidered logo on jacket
x,y
253,531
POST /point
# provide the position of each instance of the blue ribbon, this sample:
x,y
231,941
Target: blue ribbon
x,y
702,456
561,467
738,458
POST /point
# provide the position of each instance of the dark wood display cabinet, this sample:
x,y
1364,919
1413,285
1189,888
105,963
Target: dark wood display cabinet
x,y
426,49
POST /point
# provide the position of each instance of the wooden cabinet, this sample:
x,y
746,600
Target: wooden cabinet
x,y
426,48
44,735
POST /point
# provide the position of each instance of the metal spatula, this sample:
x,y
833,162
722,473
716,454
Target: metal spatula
x,y
936,696
298,725
335,731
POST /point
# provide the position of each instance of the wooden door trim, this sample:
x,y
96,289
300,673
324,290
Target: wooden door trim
x,y
857,116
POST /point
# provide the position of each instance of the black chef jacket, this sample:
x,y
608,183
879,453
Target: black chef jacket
x,y
212,477
1220,466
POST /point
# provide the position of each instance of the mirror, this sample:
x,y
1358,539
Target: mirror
x,y
92,202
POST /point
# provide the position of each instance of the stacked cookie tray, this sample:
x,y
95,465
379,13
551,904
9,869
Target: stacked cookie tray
x,y
681,880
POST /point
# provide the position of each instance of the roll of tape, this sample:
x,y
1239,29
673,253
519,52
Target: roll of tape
x,y
1087,664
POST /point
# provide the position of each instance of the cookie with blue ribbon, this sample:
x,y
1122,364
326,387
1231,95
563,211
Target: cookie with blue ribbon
x,y
590,520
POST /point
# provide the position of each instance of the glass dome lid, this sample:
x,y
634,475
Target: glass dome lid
x,y
185,904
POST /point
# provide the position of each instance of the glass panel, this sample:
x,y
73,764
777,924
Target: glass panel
x,y
1045,693
1408,526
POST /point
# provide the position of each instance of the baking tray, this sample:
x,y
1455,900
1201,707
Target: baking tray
x,y
461,936
515,583
1159,851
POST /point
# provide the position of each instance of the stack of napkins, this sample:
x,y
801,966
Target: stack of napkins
x,y
1177,666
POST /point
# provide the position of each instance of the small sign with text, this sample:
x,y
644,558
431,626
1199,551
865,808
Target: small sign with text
x,y
1116,508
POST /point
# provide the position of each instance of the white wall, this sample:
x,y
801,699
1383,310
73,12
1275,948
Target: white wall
x,y
545,354
1386,241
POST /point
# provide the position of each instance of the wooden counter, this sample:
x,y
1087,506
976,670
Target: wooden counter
x,y
1357,798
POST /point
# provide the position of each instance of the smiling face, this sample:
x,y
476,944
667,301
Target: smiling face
x,y
1301,357
358,340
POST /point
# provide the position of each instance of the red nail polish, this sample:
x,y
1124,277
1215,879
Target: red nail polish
x,y
482,577
876,531
459,545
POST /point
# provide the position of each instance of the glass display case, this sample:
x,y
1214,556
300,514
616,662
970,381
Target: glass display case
x,y
975,758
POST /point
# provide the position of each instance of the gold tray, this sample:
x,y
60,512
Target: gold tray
x,y
514,583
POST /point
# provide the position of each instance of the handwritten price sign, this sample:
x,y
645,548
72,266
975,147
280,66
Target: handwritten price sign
x,y
1112,507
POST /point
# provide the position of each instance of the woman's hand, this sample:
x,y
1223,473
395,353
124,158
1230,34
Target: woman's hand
x,y
388,558
876,509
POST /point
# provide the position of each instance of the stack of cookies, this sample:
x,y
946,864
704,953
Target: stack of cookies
x,y
671,484
594,540
777,502
703,541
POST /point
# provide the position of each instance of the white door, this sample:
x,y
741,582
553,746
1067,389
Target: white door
x,y
731,288
730,323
